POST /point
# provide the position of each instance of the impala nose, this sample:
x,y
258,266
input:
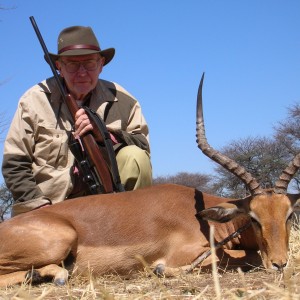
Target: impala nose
x,y
279,266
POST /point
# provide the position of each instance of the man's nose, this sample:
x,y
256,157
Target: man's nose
x,y
81,68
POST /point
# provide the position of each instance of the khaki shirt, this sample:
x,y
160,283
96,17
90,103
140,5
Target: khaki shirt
x,y
37,163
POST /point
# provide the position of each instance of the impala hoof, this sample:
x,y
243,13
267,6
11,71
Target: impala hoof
x,y
59,282
159,270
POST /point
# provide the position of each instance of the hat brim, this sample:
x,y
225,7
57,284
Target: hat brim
x,y
108,54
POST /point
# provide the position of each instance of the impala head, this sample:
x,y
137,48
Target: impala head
x,y
270,211
271,218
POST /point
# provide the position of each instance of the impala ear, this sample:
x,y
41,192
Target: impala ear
x,y
222,213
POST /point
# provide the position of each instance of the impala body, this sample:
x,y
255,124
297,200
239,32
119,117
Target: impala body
x,y
164,226
106,233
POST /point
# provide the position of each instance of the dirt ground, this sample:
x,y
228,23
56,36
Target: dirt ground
x,y
255,284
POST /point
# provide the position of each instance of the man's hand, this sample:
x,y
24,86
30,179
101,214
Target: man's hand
x,y
84,125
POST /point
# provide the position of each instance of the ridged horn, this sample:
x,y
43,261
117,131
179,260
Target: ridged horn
x,y
287,175
224,161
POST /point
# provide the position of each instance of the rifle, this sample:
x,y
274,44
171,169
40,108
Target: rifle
x,y
96,172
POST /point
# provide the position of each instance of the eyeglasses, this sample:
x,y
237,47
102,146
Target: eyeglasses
x,y
89,65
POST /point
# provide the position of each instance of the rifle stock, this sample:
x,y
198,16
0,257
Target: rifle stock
x,y
92,150
89,143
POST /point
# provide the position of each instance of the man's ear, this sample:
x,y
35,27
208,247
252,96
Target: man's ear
x,y
222,213
102,61
58,66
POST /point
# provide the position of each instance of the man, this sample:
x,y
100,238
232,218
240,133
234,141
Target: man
x,y
38,166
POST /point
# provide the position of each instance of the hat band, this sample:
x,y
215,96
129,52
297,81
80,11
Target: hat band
x,y
76,47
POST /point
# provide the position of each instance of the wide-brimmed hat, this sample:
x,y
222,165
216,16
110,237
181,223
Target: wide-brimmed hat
x,y
80,40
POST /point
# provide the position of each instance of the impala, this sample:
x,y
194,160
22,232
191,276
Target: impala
x,y
164,226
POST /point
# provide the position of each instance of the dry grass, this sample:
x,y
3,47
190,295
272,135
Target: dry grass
x,y
257,284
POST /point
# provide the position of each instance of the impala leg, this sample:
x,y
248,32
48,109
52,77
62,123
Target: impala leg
x,y
228,259
163,271
232,259
12,278
59,274
33,244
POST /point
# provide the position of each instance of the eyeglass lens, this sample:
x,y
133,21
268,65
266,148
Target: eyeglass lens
x,y
89,65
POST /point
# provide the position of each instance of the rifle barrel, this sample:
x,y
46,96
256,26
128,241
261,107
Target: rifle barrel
x,y
46,52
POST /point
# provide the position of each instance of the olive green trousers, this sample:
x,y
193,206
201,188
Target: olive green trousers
x,y
134,167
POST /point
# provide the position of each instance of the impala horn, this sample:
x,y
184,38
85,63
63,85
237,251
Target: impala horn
x,y
287,175
224,161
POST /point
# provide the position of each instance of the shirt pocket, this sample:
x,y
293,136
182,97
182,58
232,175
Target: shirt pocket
x,y
51,148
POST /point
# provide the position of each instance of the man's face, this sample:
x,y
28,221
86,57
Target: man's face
x,y
81,73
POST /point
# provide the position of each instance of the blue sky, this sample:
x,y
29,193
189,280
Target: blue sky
x,y
249,50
